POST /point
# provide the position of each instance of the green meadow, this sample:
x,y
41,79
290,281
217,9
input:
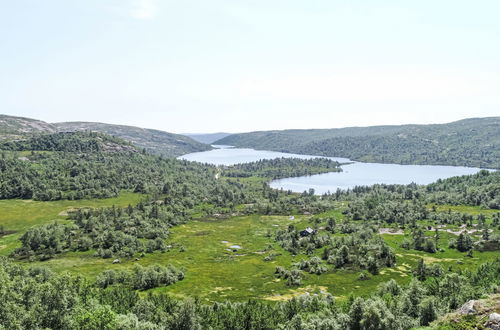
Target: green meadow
x,y
18,215
217,270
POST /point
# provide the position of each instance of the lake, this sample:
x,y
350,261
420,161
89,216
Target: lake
x,y
227,155
354,174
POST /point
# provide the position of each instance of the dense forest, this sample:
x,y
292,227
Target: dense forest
x,y
469,142
87,165
281,168
481,189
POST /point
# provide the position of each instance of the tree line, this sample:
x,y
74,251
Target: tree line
x,y
71,302
281,168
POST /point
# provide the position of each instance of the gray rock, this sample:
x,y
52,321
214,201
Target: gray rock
x,y
116,261
468,308
493,322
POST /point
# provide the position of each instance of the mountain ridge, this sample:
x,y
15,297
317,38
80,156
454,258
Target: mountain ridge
x,y
154,141
467,142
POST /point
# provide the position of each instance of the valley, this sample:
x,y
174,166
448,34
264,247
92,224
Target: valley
x,y
214,272
92,210
249,165
353,173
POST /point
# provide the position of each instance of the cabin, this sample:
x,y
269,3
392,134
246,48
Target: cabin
x,y
308,231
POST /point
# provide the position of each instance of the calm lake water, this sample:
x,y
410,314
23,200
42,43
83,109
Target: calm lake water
x,y
227,155
355,174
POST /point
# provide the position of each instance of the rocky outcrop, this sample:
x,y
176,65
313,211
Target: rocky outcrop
x,y
493,321
468,308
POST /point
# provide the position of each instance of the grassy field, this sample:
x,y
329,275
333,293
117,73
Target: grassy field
x,y
215,271
473,210
17,215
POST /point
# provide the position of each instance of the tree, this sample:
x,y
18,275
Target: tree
x,y
391,287
187,318
421,270
418,240
412,297
372,265
376,315
495,219
481,219
430,246
356,313
464,242
437,236
330,225
344,254
486,233
96,317
428,311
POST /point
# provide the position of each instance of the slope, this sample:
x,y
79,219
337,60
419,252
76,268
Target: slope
x,y
14,127
207,138
468,142
154,141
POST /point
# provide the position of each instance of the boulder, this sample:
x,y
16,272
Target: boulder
x,y
493,322
116,261
468,308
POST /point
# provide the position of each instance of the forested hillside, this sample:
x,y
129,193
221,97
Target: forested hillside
x,y
281,168
153,141
78,165
470,142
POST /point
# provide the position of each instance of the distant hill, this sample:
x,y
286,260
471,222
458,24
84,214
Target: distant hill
x,y
469,142
208,138
81,142
13,127
154,141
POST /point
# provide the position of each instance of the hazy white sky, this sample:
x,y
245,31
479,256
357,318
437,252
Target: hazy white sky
x,y
229,65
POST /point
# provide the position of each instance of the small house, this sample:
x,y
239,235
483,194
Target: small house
x,y
308,231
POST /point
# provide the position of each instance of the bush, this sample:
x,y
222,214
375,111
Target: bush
x,y
430,246
363,276
141,278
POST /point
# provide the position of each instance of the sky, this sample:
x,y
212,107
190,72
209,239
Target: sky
x,y
196,66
